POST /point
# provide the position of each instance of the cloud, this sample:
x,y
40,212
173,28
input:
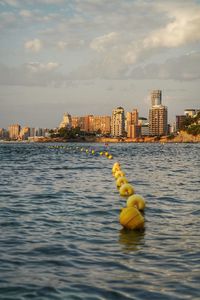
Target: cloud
x,y
70,44
7,19
184,68
13,3
32,74
119,52
41,67
25,13
17,3
34,45
182,28
102,42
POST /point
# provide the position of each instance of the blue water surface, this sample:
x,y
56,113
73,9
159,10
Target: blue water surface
x,y
60,233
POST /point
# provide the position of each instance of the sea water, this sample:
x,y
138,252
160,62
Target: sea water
x,y
60,232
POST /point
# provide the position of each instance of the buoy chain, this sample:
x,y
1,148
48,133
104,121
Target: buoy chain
x,y
130,216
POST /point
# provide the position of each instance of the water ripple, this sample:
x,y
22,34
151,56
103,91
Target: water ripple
x,y
61,238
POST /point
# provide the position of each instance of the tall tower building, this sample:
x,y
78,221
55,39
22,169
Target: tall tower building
x,y
66,121
158,120
118,122
132,127
156,97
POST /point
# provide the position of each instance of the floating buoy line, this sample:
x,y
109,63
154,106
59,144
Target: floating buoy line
x,y
131,217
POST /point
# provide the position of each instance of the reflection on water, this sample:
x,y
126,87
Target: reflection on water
x,y
131,240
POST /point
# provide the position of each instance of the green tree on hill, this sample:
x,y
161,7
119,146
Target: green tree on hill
x,y
192,124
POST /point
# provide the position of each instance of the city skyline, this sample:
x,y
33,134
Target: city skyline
x,y
85,57
75,116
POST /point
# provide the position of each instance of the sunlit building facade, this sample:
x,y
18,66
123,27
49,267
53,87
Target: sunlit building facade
x,y
158,121
118,122
66,121
13,131
24,133
132,127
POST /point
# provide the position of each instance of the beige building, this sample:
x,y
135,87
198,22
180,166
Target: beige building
x,y
13,131
134,131
24,133
66,121
91,123
102,124
132,123
158,120
75,122
118,122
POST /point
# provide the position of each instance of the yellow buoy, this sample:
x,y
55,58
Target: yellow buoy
x,y
116,164
101,153
126,190
119,174
115,169
86,150
120,181
93,152
110,156
131,218
136,201
106,154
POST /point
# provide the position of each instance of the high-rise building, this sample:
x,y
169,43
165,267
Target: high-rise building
x,y
131,118
132,127
102,124
14,131
24,133
88,123
66,121
41,132
158,120
75,122
143,122
118,122
32,131
179,122
3,133
134,131
156,97
92,123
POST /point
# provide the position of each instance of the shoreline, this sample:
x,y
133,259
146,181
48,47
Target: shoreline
x,y
182,137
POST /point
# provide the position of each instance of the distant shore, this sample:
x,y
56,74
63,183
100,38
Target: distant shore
x,y
182,137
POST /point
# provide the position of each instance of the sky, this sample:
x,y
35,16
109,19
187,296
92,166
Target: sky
x,y
91,56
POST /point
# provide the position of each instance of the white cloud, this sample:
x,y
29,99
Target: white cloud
x,y
34,45
41,67
182,28
7,19
70,44
102,42
32,74
13,3
184,68
62,45
51,1
25,13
